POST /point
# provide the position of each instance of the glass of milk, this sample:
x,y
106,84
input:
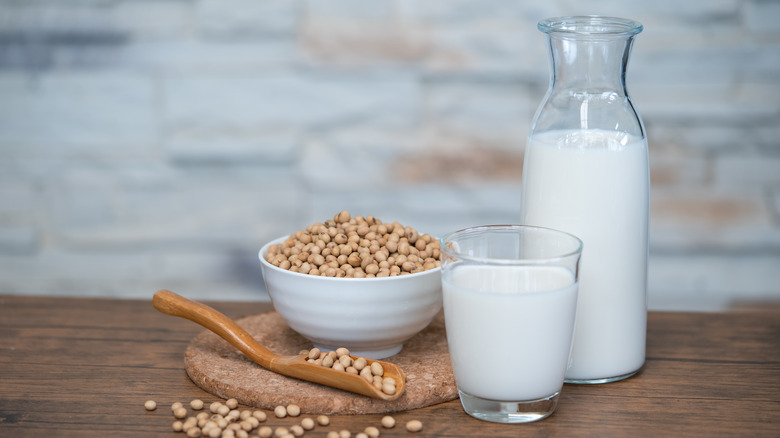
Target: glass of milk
x,y
510,297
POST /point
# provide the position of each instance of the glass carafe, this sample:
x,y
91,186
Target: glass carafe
x,y
586,172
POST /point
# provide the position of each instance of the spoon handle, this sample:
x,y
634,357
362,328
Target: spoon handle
x,y
176,305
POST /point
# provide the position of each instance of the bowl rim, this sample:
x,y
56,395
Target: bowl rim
x,y
280,239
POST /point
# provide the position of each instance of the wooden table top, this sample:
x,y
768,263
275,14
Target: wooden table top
x,y
84,367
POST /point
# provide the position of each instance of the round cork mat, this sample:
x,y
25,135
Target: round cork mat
x,y
222,370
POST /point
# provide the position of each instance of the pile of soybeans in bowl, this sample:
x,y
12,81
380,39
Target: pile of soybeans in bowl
x,y
355,247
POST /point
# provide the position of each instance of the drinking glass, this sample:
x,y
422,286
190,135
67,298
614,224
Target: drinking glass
x,y
510,298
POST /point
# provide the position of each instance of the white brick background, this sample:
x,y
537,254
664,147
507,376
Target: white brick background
x,y
158,144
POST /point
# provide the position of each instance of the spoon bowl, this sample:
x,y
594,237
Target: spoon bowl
x,y
292,366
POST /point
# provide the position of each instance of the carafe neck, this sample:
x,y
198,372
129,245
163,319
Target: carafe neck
x,y
588,62
587,66
589,54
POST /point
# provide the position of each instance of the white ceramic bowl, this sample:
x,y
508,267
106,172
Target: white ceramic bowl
x,y
372,317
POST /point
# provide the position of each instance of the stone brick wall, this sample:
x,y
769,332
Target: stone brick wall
x,y
158,144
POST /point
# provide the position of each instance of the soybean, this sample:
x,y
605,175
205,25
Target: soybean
x,y
293,410
360,363
388,422
307,423
296,430
414,426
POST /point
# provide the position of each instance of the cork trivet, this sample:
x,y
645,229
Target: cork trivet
x,y
222,370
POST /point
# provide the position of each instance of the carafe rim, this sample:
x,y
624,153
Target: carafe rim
x,y
593,26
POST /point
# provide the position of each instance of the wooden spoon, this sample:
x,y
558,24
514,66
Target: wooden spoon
x,y
293,366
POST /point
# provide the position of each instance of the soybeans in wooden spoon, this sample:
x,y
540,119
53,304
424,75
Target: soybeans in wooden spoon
x,y
292,366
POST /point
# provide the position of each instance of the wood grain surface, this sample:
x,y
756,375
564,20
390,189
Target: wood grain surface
x,y
73,367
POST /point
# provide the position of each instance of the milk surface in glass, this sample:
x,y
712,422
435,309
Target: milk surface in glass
x,y
509,329
595,185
